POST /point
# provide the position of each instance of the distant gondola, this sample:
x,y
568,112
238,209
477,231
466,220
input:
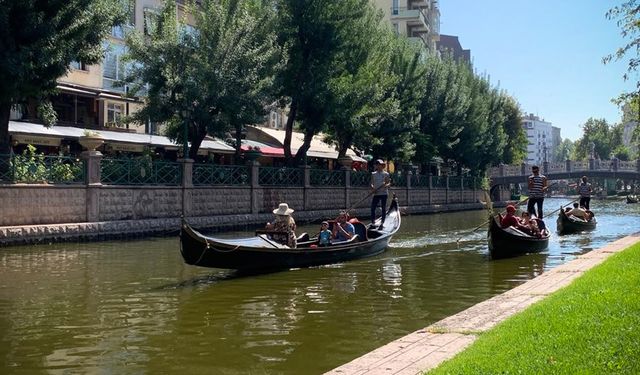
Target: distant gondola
x,y
567,225
260,253
632,199
510,242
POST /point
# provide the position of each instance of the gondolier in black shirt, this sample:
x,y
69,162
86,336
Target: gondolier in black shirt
x,y
537,187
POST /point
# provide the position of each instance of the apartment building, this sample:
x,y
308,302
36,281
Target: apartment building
x,y
419,20
89,96
542,137
449,46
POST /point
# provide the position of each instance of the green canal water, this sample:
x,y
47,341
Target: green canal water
x,y
134,307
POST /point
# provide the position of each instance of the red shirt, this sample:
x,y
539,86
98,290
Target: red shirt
x,y
509,220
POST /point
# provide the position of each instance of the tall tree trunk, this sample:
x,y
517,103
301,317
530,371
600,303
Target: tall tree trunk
x,y
196,141
5,112
289,131
5,144
302,151
238,141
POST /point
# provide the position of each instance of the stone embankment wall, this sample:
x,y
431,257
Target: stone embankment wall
x,y
47,213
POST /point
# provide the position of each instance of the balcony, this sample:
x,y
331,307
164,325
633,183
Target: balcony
x,y
416,19
419,3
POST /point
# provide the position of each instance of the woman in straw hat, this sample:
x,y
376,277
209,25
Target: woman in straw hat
x,y
284,224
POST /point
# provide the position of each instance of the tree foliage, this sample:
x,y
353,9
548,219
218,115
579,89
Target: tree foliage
x,y
627,16
38,42
600,138
212,80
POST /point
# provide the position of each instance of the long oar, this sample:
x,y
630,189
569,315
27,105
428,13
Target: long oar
x,y
487,222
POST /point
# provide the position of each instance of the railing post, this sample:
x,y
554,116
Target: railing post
x,y
255,185
592,164
545,167
187,172
567,165
409,173
446,191
187,183
430,187
616,164
501,170
523,169
306,170
347,186
93,160
638,165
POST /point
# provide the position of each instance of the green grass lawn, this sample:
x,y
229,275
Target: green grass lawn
x,y
590,327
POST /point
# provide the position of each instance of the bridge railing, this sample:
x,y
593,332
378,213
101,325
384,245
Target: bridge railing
x,y
614,165
556,167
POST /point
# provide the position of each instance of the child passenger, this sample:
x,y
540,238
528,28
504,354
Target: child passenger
x,y
324,238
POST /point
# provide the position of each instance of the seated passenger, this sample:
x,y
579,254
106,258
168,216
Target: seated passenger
x,y
510,219
284,224
578,212
324,237
343,230
531,223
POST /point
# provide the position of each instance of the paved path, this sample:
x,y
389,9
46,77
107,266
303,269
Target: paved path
x,y
425,349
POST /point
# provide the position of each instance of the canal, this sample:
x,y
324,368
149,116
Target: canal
x,y
133,307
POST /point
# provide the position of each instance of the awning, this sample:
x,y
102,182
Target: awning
x,y
265,149
121,139
318,148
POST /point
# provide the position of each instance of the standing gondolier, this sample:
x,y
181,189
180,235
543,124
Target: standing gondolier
x,y
537,187
380,182
584,189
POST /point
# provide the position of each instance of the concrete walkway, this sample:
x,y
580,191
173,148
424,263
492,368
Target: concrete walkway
x,y
425,349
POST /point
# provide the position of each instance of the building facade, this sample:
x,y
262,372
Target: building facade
x,y
449,46
542,137
419,20
89,95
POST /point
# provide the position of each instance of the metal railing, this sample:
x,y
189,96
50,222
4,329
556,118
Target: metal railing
x,y
41,169
273,176
210,174
321,177
140,172
360,178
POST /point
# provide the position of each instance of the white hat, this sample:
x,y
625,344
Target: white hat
x,y
283,209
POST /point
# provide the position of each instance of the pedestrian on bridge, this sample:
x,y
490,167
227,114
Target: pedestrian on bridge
x,y
537,188
584,189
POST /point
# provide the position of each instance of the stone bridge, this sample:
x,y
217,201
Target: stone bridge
x,y
569,169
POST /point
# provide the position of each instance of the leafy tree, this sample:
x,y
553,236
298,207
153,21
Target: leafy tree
x,y
38,42
443,108
362,93
627,16
315,35
516,148
213,80
394,135
564,150
599,135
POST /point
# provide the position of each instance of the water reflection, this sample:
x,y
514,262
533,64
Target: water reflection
x,y
134,307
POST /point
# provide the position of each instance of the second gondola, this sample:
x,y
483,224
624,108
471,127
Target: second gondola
x,y
568,225
510,242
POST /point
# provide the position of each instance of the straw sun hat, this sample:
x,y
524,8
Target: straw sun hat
x,y
283,209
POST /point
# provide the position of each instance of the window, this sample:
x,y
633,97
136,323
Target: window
x,y
150,20
114,114
130,11
77,65
113,67
395,7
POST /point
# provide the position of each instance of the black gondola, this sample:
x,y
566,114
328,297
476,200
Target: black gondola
x,y
509,242
260,253
567,225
